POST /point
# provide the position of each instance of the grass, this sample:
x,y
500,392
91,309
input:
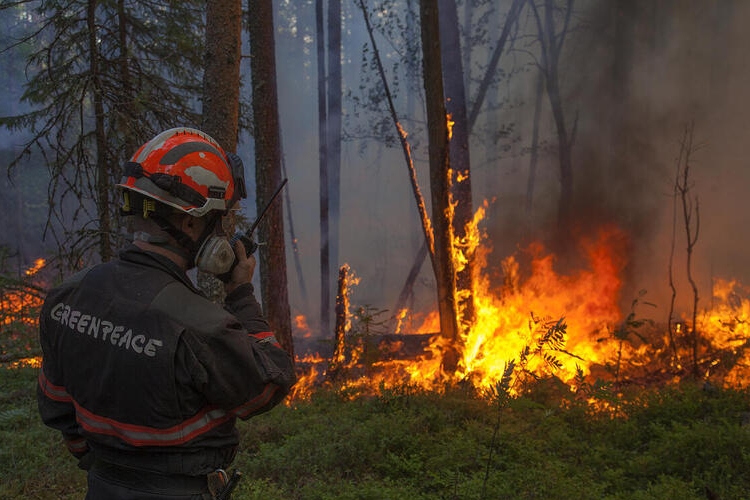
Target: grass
x,y
682,443
686,442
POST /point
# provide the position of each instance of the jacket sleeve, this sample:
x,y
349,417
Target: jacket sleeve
x,y
57,411
55,405
243,306
240,368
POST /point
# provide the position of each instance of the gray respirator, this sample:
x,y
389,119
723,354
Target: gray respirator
x,y
215,256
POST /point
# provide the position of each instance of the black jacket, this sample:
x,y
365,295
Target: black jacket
x,y
144,371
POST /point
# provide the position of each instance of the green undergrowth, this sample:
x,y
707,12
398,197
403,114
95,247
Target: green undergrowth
x,y
682,443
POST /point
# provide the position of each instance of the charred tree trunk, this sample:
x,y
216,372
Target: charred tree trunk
x,y
442,260
510,19
460,162
342,307
273,273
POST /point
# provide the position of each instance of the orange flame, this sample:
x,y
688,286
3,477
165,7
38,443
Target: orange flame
x,y
300,323
507,320
728,326
20,304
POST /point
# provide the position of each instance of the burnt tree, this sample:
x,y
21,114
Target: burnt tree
x,y
460,162
437,124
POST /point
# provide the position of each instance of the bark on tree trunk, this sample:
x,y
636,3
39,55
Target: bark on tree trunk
x,y
342,306
221,92
273,272
460,162
442,261
221,79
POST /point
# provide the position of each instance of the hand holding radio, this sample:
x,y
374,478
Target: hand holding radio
x,y
248,245
242,269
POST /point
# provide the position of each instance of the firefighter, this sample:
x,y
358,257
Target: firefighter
x,y
142,374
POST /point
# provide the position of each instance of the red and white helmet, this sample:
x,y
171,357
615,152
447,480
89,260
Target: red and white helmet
x,y
188,170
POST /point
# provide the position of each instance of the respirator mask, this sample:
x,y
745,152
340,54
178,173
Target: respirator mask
x,y
216,255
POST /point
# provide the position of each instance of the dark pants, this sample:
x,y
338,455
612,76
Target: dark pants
x,y
111,483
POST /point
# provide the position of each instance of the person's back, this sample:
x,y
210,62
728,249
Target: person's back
x,y
145,377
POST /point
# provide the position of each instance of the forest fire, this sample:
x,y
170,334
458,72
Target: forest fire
x,y
19,307
19,301
543,323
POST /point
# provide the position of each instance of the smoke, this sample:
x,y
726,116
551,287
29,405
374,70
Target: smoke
x,y
628,108
686,71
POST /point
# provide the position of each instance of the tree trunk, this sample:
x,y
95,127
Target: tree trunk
x,y
442,259
273,273
333,129
221,78
325,262
221,92
460,164
103,201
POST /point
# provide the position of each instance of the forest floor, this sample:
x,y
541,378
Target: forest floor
x,y
682,443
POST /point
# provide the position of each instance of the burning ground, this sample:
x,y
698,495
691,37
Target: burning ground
x,y
535,322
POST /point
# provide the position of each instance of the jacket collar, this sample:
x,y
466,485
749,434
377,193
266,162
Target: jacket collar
x,y
139,256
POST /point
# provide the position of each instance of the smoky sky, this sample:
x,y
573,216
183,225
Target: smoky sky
x,y
686,64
